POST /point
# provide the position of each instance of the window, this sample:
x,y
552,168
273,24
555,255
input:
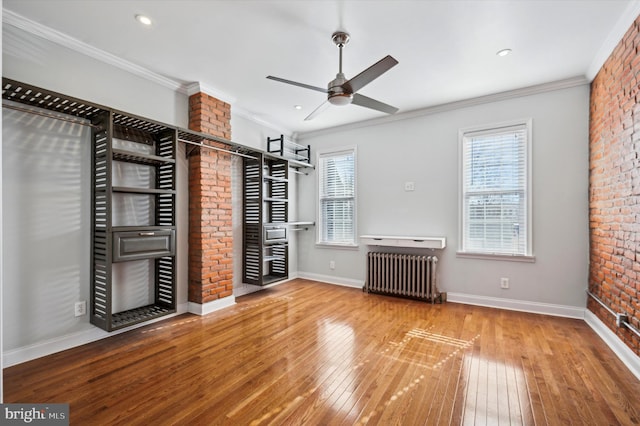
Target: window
x,y
495,190
337,197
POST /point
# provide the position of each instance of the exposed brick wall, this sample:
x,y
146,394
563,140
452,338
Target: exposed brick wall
x,y
614,138
210,228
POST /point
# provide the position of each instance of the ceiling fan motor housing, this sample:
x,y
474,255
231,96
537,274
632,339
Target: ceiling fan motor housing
x,y
337,95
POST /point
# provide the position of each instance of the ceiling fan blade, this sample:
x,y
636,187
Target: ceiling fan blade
x,y
370,74
306,86
317,111
366,102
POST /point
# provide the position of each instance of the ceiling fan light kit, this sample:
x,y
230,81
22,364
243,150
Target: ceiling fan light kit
x,y
341,91
340,99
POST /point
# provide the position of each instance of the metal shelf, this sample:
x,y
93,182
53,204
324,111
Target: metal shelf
x,y
134,190
141,228
45,99
298,155
132,124
268,279
138,315
140,158
274,179
270,258
275,200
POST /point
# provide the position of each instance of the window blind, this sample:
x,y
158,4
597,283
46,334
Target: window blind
x,y
494,191
337,197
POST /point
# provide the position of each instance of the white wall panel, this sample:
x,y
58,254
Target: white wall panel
x,y
424,150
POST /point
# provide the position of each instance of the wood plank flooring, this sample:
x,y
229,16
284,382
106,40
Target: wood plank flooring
x,y
316,354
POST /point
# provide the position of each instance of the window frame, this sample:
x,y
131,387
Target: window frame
x,y
320,155
463,135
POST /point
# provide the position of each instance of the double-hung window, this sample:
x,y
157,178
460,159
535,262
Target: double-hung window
x,y
495,182
337,197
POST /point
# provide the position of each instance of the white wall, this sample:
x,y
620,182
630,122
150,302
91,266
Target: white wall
x,y
424,150
46,199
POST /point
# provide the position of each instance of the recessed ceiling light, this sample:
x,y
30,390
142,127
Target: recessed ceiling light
x,y
298,107
144,20
503,52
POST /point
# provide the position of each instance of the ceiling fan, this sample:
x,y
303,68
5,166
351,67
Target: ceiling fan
x,y
341,91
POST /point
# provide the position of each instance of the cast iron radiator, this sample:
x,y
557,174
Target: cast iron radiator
x,y
405,275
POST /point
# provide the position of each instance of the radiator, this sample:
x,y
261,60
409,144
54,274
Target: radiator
x,y
405,275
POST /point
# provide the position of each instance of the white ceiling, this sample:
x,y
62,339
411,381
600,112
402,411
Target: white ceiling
x,y
446,49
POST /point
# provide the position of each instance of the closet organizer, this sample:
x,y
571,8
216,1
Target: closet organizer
x,y
147,233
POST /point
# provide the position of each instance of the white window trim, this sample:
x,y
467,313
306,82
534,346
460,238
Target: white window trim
x,y
528,256
337,151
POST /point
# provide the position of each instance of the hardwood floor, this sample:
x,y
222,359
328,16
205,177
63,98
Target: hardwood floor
x,y
316,354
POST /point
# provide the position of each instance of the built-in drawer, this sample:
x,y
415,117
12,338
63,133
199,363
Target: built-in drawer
x,y
147,244
275,234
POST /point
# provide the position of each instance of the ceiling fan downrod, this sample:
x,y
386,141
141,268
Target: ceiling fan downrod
x,y
340,38
337,95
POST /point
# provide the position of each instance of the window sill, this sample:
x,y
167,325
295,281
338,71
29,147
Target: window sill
x,y
337,246
488,256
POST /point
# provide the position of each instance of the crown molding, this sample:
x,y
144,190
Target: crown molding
x,y
618,31
197,87
501,96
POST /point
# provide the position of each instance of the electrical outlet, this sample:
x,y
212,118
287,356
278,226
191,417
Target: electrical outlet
x,y
332,264
409,186
504,282
80,308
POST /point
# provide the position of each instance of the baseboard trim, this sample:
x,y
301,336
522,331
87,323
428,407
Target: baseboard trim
x,y
244,289
518,305
215,305
62,343
330,279
622,351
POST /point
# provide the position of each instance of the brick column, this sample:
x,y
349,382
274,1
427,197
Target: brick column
x,y
210,228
